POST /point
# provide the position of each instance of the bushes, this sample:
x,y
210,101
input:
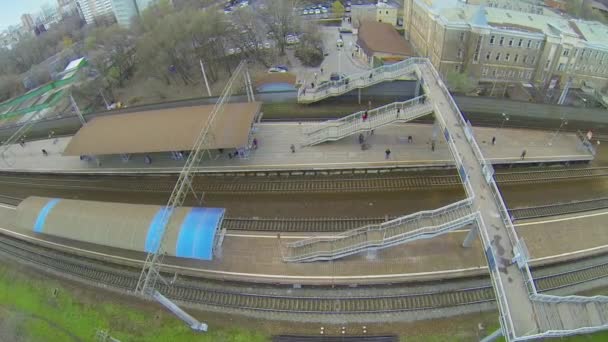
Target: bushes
x,y
309,56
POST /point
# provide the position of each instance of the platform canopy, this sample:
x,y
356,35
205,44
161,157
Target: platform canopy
x,y
163,130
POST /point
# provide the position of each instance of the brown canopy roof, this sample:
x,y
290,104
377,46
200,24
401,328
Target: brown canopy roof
x,y
173,129
382,37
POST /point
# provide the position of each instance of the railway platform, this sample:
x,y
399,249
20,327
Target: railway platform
x,y
274,152
256,257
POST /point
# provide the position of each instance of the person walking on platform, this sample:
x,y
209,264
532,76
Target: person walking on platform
x,y
292,148
361,138
255,143
44,152
398,112
493,140
433,146
147,160
523,154
364,116
387,153
410,139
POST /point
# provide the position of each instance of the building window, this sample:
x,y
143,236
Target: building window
x,y
498,56
520,42
538,44
529,43
575,53
516,58
484,71
507,57
456,67
566,53
521,74
476,57
460,53
462,36
525,59
492,39
501,41
494,73
547,64
528,74
533,60
488,56
511,42
561,67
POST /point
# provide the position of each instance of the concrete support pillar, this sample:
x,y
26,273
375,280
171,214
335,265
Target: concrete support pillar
x,y
471,236
359,95
417,89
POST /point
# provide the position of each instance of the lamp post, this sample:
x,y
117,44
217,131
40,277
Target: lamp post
x,y
564,123
505,118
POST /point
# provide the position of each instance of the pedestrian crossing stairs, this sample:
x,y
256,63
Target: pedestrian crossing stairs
x,y
359,80
558,316
332,130
420,225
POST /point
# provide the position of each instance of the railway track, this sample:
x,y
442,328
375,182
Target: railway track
x,y
275,299
277,183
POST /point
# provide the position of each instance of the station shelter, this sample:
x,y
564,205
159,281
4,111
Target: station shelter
x,y
171,130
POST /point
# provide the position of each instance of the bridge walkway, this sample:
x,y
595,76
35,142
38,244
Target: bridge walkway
x,y
497,232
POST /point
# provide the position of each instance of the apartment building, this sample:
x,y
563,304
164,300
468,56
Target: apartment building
x,y
496,44
382,12
95,8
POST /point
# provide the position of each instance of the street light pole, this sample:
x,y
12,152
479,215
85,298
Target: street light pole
x,y
564,123
505,117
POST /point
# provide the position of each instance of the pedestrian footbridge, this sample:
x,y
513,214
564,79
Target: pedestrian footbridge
x,y
364,79
524,313
355,123
420,225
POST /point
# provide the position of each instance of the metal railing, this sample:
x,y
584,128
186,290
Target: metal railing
x,y
386,234
506,320
378,117
586,143
358,80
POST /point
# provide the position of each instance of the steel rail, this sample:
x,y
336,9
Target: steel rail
x,y
273,299
239,184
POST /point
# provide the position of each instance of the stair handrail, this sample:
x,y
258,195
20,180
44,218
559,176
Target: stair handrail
x,y
371,113
381,226
361,79
539,297
385,242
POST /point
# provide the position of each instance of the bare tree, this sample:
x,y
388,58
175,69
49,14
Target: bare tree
x,y
280,20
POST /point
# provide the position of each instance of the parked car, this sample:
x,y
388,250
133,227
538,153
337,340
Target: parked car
x,y
339,42
283,67
336,77
276,70
231,51
317,11
323,9
267,45
305,12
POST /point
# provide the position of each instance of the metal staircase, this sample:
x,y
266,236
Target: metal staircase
x,y
420,225
395,112
561,316
359,80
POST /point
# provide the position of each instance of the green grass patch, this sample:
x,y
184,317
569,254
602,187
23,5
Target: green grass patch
x,y
44,316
